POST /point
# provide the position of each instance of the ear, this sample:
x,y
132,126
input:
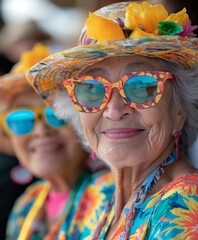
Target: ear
x,y
179,121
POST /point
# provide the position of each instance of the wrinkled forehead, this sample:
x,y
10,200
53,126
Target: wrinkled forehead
x,y
125,64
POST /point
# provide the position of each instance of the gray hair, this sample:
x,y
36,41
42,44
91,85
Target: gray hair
x,y
64,109
185,95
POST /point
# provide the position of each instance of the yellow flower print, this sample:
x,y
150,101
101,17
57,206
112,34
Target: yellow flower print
x,y
187,220
106,178
140,232
103,29
61,236
144,16
92,198
186,190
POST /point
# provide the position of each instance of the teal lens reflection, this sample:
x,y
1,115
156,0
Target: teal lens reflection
x,y
90,93
141,89
52,120
20,122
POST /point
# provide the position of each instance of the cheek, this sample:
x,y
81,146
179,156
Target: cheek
x,y
159,120
89,122
65,133
162,115
20,149
68,138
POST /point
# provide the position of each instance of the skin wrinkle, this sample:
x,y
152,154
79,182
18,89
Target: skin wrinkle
x,y
133,159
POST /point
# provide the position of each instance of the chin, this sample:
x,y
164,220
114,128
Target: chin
x,y
43,172
123,158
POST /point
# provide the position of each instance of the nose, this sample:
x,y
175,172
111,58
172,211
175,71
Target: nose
x,y
116,108
41,129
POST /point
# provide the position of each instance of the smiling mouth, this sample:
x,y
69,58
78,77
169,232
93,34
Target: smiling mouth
x,y
47,149
122,133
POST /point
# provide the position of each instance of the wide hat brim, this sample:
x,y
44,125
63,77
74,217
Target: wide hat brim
x,y
48,75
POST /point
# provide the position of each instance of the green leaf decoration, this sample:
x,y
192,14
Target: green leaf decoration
x,y
169,28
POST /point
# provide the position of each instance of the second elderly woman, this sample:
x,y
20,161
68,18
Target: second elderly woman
x,y
48,147
135,87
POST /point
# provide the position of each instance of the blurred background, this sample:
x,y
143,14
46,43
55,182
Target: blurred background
x,y
55,22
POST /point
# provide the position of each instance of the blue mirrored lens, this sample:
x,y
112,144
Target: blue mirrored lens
x,y
90,93
52,120
141,89
20,122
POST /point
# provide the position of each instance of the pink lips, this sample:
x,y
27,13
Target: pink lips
x,y
44,148
121,133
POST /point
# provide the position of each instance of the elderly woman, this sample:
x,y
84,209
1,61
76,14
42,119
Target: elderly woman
x,y
135,87
11,185
48,147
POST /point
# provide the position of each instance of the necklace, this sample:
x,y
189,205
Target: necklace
x,y
146,187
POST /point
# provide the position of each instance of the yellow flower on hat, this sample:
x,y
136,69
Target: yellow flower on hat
x,y
143,19
144,16
29,58
140,33
180,18
103,29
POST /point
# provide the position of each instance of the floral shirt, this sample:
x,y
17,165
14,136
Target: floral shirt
x,y
90,200
21,209
172,213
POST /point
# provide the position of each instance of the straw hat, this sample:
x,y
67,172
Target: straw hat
x,y
121,29
15,82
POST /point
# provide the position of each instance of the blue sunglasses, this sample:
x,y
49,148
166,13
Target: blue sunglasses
x,y
21,121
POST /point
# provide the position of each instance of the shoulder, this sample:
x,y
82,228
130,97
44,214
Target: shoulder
x,y
100,179
99,183
30,194
24,203
22,207
175,212
187,184
91,200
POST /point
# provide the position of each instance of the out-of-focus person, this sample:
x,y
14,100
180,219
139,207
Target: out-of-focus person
x,y
13,180
48,147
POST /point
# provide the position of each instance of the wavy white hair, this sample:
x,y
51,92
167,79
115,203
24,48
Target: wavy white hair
x,y
185,95
64,109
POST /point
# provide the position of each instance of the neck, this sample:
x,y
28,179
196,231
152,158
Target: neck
x,y
128,180
65,182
